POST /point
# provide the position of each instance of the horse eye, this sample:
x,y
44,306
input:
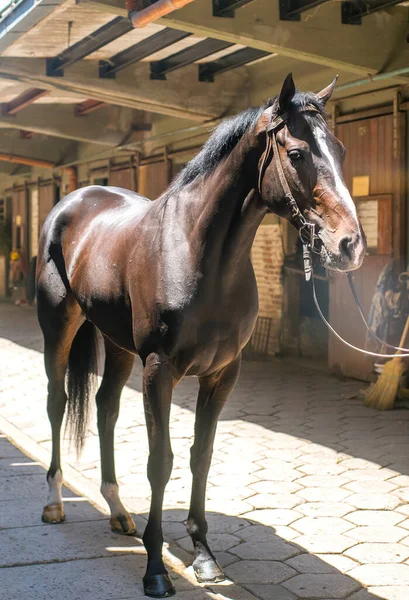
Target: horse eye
x,y
295,156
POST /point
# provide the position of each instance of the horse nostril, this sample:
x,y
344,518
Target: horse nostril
x,y
346,247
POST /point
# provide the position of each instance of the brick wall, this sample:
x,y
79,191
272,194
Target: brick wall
x,y
267,256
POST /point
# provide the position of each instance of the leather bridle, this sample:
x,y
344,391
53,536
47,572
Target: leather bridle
x,y
310,241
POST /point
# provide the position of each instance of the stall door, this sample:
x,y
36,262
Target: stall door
x,y
369,173
124,178
153,179
46,201
20,220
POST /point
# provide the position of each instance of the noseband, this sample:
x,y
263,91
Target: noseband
x,y
310,241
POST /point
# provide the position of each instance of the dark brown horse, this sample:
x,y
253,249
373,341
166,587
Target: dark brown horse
x,y
171,281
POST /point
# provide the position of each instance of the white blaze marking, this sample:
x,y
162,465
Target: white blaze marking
x,y
340,187
54,489
110,491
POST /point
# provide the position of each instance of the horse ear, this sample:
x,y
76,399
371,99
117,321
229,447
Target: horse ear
x,y
325,94
287,93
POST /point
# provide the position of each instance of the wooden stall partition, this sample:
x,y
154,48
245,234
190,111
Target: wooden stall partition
x,y
153,179
371,171
46,201
124,177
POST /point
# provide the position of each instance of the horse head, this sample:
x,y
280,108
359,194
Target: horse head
x,y
310,157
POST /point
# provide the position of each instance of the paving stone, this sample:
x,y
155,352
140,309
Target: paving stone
x,y
370,474
268,550
317,494
340,562
71,540
324,509
218,542
225,558
365,594
266,501
277,474
28,487
377,534
367,487
375,518
29,513
323,481
308,563
325,543
100,578
373,501
382,575
273,516
7,450
390,592
379,553
321,586
19,467
403,508
402,494
359,463
318,525
259,571
271,592
319,469
400,480
275,487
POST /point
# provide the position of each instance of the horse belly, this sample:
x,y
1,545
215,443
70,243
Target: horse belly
x,y
216,345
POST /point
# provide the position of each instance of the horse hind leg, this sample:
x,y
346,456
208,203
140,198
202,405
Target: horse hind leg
x,y
118,367
59,325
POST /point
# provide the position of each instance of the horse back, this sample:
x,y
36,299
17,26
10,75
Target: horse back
x,y
86,240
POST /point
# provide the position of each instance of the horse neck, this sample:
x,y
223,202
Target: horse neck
x,y
226,207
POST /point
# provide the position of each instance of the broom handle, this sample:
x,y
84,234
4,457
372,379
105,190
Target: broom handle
x,y
404,334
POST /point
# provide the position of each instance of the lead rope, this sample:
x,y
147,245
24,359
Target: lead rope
x,y
332,330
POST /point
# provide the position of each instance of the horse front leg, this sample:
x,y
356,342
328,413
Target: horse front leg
x,y
158,386
213,393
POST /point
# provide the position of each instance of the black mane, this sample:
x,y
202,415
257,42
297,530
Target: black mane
x,y
227,135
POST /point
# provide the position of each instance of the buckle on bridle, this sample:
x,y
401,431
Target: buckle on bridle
x,y
311,243
307,235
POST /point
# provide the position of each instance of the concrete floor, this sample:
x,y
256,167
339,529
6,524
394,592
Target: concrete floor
x,y
308,494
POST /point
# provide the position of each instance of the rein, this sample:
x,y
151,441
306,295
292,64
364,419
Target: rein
x,y
310,241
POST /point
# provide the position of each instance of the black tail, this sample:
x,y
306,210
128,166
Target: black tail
x,y
82,371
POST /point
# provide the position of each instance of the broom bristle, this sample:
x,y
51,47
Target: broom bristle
x,y
382,395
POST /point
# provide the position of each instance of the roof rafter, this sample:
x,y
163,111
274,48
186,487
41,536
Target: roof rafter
x,y
89,44
160,68
352,12
207,71
23,100
154,43
226,8
290,10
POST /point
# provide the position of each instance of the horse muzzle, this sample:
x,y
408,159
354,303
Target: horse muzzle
x,y
345,254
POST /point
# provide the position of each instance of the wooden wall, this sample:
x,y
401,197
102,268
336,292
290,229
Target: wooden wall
x,y
370,153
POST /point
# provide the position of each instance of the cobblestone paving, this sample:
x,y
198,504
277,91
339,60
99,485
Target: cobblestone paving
x,y
308,494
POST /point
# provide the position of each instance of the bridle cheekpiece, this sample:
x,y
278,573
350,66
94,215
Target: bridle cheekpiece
x,y
306,230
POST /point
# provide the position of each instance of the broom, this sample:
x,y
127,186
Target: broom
x,y
383,394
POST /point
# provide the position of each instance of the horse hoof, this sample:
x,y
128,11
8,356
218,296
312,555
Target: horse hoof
x,y
123,524
158,586
53,513
208,572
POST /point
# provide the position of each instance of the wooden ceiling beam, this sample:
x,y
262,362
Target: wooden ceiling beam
x,y
87,107
23,100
